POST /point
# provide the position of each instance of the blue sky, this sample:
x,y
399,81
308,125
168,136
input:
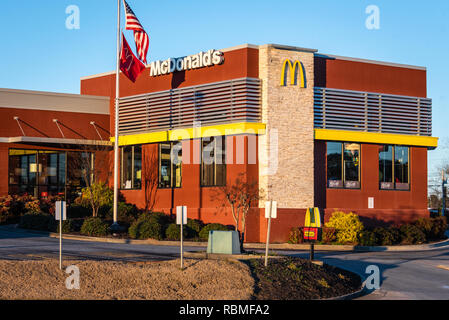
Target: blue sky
x,y
40,53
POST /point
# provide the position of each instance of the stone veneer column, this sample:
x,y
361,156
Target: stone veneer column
x,y
289,110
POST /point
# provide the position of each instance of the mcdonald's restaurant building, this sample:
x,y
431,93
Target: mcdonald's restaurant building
x,y
309,129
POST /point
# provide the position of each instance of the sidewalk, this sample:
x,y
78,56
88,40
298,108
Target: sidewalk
x,y
274,246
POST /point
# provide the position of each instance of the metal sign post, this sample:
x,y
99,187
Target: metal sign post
x,y
312,228
270,212
181,219
60,214
443,194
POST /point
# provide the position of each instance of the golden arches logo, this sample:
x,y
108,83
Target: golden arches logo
x,y
295,69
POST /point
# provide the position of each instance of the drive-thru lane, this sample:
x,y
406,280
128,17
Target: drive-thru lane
x,y
404,275
415,275
23,245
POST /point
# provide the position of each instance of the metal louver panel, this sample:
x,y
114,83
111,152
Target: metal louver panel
x,y
372,112
230,101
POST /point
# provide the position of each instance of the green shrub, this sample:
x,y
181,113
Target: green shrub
x,y
152,225
173,232
194,227
204,233
395,235
78,211
367,238
36,221
98,196
387,237
296,235
329,235
94,226
67,226
425,225
439,227
126,213
410,234
348,226
103,211
33,206
15,205
4,216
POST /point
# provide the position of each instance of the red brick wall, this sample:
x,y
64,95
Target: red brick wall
x,y
204,203
239,63
390,206
362,76
39,123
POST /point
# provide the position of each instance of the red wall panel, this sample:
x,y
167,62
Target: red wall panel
x,y
407,204
371,77
39,123
239,63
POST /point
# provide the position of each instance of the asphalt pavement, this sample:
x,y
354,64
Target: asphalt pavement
x,y
22,245
418,275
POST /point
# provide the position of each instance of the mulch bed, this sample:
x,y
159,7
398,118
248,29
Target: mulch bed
x,y
299,279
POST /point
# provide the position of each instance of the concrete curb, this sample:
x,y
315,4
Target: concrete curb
x,y
325,247
275,246
216,256
349,296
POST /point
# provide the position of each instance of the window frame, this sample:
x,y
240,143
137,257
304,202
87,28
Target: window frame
x,y
343,169
63,185
133,159
224,164
172,166
393,157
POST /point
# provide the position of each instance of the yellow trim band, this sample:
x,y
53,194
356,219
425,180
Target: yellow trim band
x,y
192,133
374,137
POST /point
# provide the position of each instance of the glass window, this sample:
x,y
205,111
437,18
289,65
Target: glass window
x,y
77,168
39,173
401,167
386,167
352,165
170,165
213,166
394,176
334,161
137,169
343,165
131,167
62,169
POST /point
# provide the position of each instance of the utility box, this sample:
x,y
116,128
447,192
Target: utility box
x,y
223,242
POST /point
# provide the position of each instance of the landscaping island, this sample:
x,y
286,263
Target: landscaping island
x,y
202,279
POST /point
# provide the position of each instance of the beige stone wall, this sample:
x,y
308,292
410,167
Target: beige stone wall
x,y
289,111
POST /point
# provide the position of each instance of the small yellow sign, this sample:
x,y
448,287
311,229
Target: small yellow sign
x,y
313,218
309,234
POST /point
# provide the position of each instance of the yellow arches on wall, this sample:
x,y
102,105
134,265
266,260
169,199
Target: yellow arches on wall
x,y
294,68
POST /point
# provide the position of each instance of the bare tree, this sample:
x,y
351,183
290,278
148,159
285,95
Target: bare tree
x,y
435,200
241,196
150,179
249,197
91,163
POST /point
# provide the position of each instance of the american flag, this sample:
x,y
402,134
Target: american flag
x,y
140,36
